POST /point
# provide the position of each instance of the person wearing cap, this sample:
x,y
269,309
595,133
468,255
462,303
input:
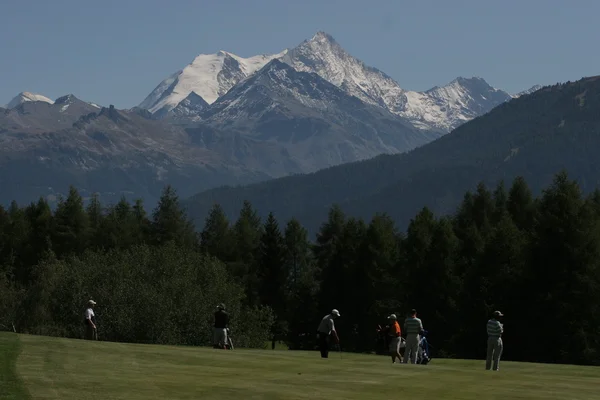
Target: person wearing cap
x,y
494,345
220,327
91,332
394,333
326,330
413,328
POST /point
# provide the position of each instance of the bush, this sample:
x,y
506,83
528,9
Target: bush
x,y
160,295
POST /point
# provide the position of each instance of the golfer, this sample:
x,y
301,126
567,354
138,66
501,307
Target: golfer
x,y
220,327
413,328
494,345
326,330
395,336
90,322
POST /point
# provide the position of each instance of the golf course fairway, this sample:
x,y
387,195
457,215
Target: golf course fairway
x,y
38,367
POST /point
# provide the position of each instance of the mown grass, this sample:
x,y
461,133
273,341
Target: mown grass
x,y
11,386
52,368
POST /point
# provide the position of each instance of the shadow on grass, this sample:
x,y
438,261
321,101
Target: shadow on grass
x,y
11,387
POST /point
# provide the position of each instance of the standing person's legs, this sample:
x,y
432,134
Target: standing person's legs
x,y
412,346
323,345
490,352
414,350
220,338
498,348
89,332
395,349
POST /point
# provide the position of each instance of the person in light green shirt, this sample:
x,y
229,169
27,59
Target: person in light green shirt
x,y
494,345
413,328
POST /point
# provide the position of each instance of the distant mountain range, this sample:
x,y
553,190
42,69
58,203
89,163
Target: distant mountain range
x,y
534,136
224,119
440,108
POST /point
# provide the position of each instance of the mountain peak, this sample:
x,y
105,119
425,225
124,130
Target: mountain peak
x,y
66,99
25,97
209,75
322,36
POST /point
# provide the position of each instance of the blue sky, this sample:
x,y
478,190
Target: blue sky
x,y
117,51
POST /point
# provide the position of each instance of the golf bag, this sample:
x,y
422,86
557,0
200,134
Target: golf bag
x,y
423,354
229,344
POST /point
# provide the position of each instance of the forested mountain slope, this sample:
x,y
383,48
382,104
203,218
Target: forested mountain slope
x,y
534,136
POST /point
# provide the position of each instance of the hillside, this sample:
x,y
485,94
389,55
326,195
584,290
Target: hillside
x,y
534,136
124,371
44,148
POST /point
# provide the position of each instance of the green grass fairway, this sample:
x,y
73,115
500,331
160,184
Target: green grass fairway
x,y
48,368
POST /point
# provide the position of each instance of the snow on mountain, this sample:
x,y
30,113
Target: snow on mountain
x,y
449,106
27,96
325,57
532,89
440,108
188,109
316,123
209,76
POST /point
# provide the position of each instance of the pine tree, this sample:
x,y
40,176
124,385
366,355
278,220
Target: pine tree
x,y
503,267
439,283
169,221
39,216
247,233
141,223
520,204
297,252
216,238
483,209
327,252
71,225
95,216
500,202
418,242
375,277
302,287
272,274
565,270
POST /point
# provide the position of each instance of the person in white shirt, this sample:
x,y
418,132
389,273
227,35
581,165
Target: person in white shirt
x,y
90,322
325,330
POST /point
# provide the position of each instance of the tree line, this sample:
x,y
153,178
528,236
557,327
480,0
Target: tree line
x,y
156,280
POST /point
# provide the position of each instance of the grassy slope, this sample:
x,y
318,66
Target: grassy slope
x,y
73,369
11,386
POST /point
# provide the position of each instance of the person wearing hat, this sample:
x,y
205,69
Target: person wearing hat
x,y
326,330
413,327
220,327
494,345
395,334
90,322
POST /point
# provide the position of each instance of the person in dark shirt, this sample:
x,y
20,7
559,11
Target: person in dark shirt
x,y
220,327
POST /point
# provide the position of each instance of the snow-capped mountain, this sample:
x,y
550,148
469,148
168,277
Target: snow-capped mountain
x,y
440,108
451,105
325,57
209,76
25,97
317,123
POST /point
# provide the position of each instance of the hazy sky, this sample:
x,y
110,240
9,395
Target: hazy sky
x,y
117,51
